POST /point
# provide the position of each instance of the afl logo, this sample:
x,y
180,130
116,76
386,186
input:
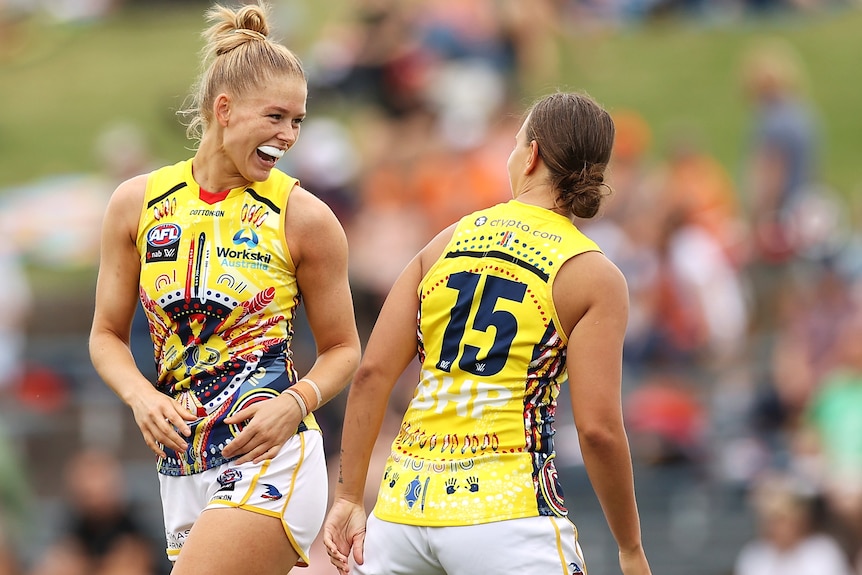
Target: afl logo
x,y
162,242
163,235
229,476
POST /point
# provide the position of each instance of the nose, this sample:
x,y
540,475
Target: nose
x,y
288,136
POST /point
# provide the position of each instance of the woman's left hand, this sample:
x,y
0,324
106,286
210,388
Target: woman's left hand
x,y
268,425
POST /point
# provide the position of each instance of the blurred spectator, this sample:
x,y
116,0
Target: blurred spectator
x,y
693,304
694,182
833,432
326,160
465,30
389,225
781,167
628,230
533,32
374,58
784,144
667,421
812,308
788,540
100,534
706,246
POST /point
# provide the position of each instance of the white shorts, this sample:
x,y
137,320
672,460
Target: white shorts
x,y
292,486
547,545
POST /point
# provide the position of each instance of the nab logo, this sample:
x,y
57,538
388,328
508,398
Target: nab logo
x,y
163,235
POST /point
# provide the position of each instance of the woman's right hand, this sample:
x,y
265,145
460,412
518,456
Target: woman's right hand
x,y
343,533
163,421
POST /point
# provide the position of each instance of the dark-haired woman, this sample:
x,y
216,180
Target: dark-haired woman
x,y
502,308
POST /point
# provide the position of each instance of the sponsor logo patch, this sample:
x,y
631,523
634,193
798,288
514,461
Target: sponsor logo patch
x,y
162,243
271,492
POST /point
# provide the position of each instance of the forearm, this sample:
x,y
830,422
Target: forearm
x,y
608,462
113,361
330,374
365,411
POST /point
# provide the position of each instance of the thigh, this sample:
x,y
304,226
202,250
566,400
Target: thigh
x,y
396,549
233,541
213,511
547,545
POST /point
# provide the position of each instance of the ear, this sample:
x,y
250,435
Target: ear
x,y
533,157
221,109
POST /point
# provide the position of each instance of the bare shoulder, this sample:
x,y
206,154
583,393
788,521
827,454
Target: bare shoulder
x,y
589,281
434,249
311,226
595,272
130,191
125,204
306,211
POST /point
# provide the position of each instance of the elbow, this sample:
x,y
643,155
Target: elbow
x,y
364,375
368,375
354,361
600,437
96,343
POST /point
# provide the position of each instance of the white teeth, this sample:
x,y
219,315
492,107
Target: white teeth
x,y
272,151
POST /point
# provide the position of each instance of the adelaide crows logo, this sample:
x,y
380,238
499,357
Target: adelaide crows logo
x,y
271,492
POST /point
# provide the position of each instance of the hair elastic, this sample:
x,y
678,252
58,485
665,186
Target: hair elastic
x,y
316,389
250,33
302,406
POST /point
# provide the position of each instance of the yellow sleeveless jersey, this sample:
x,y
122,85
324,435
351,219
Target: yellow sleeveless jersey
x,y
219,291
476,442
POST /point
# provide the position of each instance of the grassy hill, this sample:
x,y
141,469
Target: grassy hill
x,y
63,84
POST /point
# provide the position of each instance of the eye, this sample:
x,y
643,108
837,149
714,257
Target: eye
x,y
298,121
276,117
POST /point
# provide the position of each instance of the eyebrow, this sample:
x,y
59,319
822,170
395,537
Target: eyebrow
x,y
285,111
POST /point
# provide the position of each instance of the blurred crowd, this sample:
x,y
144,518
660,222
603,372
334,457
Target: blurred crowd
x,y
744,351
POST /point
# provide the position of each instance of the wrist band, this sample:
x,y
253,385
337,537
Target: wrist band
x,y
302,405
315,388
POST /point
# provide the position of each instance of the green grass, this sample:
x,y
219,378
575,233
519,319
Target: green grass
x,y
691,76
63,85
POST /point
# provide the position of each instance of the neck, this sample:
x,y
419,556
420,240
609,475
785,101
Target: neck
x,y
210,169
543,197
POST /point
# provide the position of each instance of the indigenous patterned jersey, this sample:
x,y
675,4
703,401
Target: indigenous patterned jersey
x,y
219,291
476,442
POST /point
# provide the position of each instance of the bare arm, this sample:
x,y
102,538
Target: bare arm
x,y
591,293
322,273
318,247
391,347
116,299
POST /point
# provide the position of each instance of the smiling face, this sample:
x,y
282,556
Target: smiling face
x,y
259,127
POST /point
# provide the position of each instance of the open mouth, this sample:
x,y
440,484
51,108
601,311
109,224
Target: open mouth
x,y
270,154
